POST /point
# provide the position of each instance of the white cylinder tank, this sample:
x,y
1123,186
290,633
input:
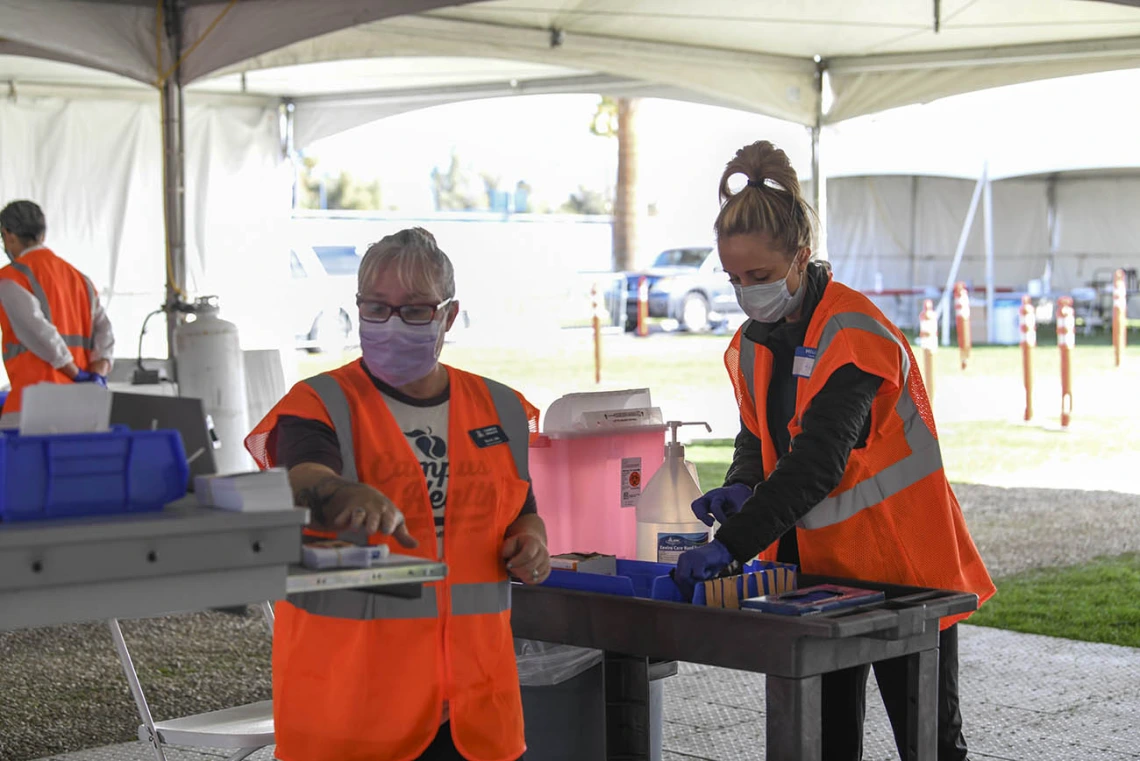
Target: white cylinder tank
x,y
210,367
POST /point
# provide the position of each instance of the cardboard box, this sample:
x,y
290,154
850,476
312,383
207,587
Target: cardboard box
x,y
585,562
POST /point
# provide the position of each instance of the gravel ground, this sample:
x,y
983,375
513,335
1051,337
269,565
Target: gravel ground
x,y
61,689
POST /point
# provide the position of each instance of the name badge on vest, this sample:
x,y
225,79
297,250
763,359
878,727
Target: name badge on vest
x,y
489,436
804,362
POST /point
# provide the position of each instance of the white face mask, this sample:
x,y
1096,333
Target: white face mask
x,y
771,302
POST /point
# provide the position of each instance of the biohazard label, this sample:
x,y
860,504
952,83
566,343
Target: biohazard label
x,y
630,481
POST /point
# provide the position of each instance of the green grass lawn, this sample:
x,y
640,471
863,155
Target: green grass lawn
x,y
1095,602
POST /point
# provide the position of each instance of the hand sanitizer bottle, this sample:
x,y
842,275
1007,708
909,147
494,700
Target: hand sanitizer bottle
x,y
666,526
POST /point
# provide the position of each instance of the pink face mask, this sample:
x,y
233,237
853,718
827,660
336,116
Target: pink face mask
x,y
398,353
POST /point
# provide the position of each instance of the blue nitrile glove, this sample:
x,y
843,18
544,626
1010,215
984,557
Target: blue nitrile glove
x,y
720,504
700,564
85,377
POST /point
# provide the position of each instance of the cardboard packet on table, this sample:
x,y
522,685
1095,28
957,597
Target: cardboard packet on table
x,y
759,577
585,562
336,553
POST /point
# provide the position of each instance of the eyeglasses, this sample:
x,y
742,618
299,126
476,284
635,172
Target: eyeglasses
x,y
411,314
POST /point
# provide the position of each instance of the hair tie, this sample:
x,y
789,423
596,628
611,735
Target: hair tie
x,y
755,184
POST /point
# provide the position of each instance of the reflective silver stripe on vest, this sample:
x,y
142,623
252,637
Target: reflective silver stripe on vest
x,y
512,416
90,294
336,404
747,361
925,457
11,351
363,606
37,289
466,600
479,599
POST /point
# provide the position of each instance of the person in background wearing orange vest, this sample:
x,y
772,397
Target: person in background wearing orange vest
x,y
837,467
432,461
54,328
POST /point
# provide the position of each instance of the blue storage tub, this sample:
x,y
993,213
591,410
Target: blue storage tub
x,y
638,578
635,578
67,475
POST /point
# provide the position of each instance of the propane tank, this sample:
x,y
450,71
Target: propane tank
x,y
211,367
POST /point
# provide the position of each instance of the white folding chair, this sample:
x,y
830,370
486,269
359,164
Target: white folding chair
x,y
243,729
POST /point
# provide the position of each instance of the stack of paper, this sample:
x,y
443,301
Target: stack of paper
x,y
246,492
57,408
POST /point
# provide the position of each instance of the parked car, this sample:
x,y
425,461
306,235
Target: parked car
x,y
686,285
324,299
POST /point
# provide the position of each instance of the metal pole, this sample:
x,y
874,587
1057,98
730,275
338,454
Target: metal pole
x,y
1054,234
173,163
944,302
818,180
914,239
988,227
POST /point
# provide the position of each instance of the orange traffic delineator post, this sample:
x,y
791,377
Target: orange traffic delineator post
x,y
643,306
595,311
1028,344
1066,340
1119,316
928,342
962,311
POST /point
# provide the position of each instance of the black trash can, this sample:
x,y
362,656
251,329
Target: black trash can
x,y
567,721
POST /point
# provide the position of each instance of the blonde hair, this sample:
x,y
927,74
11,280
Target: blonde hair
x,y
413,256
772,203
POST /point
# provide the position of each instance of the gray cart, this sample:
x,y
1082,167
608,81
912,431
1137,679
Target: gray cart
x,y
640,635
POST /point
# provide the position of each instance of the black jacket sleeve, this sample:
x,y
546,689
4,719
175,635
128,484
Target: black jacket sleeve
x,y
837,421
747,460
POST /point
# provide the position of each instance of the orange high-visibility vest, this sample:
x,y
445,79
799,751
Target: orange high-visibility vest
x,y
893,518
363,677
67,299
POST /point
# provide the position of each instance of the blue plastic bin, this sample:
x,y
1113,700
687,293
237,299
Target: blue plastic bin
x,y
67,475
635,578
638,578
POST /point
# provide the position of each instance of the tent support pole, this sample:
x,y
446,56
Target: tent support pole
x,y
914,237
988,227
944,303
173,165
818,181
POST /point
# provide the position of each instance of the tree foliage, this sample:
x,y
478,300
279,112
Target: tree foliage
x,y
343,191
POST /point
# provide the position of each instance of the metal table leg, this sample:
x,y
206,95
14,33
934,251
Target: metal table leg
x,y
922,706
794,707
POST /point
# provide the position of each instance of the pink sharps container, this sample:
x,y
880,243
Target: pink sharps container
x,y
597,452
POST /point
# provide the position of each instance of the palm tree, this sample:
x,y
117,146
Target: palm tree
x,y
618,118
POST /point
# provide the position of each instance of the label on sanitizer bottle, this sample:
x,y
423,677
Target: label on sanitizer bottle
x,y
670,546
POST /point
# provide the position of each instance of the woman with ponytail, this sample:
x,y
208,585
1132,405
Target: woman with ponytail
x,y
837,467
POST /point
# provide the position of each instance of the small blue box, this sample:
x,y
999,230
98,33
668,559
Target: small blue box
x,y
68,475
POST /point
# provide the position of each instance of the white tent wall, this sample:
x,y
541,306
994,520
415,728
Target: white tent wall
x,y
870,232
1098,226
101,190
238,196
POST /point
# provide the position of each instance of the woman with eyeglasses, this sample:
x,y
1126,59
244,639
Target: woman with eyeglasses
x,y
431,460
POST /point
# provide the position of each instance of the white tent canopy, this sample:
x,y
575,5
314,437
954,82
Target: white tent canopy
x,y
879,54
